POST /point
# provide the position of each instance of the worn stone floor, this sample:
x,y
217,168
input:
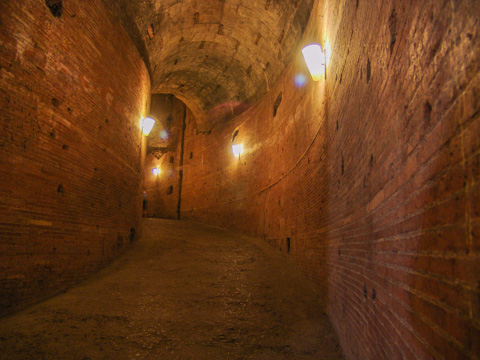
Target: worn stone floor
x,y
184,291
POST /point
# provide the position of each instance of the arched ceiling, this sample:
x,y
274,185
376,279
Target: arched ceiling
x,y
218,56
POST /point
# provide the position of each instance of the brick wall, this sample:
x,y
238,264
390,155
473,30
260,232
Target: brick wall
x,y
165,152
368,179
72,91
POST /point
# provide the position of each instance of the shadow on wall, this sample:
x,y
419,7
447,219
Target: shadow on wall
x,y
122,11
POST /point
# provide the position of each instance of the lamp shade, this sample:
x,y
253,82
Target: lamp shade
x,y
237,150
147,125
315,59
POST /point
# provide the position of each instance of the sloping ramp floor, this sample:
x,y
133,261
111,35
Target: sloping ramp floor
x,y
184,291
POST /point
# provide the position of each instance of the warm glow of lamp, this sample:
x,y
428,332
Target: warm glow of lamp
x,y
147,125
315,59
327,49
237,150
156,171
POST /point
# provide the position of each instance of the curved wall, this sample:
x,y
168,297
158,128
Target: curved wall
x,y
368,179
72,91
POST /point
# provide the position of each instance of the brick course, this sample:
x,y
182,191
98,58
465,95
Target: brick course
x,y
370,176
368,179
72,91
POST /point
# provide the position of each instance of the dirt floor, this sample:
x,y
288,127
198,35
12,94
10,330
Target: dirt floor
x,y
184,291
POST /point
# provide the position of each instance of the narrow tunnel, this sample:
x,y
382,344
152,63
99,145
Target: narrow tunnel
x,y
307,215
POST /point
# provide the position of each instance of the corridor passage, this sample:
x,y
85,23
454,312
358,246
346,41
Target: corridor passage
x,y
184,291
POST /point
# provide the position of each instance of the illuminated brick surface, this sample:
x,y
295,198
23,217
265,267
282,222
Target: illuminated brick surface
x,y
72,91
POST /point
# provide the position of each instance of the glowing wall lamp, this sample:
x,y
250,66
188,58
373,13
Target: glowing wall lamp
x,y
237,150
147,125
156,171
315,59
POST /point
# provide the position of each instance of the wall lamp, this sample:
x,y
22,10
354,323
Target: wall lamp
x,y
156,171
315,59
237,150
147,125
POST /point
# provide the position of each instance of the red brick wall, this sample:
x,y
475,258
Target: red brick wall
x,y
72,91
371,176
164,189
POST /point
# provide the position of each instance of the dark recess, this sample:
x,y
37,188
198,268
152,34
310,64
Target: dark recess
x,y
427,112
55,6
169,121
234,135
392,24
277,103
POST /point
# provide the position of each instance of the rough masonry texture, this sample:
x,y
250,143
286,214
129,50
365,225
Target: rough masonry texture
x,y
165,152
72,91
369,179
218,56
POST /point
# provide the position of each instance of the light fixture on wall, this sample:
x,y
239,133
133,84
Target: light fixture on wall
x,y
147,125
315,59
237,150
156,171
